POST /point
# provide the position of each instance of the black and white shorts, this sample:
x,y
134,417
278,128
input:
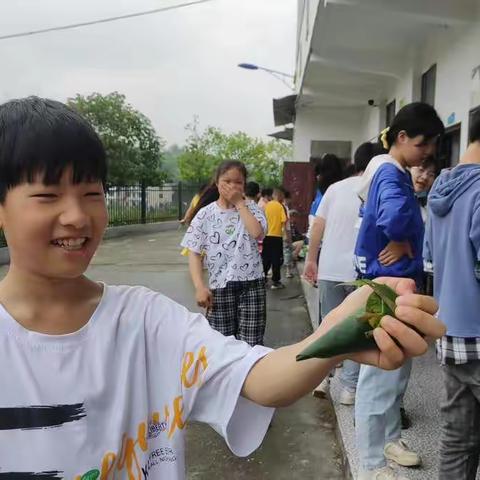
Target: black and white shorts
x,y
239,309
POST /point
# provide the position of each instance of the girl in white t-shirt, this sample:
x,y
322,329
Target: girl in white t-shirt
x,y
226,232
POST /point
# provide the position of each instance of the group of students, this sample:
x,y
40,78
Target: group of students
x,y
99,381
373,225
239,234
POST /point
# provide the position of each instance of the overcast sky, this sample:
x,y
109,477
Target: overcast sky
x,y
171,65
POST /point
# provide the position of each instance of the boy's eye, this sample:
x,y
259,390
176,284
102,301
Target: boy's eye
x,y
93,194
45,195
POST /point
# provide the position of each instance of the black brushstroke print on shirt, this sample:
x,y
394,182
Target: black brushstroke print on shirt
x,y
27,418
31,475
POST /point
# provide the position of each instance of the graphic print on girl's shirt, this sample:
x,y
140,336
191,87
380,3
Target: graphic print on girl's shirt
x,y
231,253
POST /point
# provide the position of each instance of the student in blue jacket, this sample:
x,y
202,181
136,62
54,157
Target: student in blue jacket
x,y
391,220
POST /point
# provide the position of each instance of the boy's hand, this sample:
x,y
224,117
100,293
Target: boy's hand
x,y
204,298
394,251
279,380
395,340
310,271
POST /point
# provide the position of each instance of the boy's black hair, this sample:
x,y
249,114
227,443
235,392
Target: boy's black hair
x,y
252,189
416,118
474,133
350,170
44,137
329,169
266,192
227,165
364,153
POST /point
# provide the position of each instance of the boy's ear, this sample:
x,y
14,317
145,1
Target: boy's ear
x,y
1,216
402,136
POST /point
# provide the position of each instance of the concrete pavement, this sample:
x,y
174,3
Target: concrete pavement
x,y
301,443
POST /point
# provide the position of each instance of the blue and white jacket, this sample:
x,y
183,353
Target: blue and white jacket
x,y
390,212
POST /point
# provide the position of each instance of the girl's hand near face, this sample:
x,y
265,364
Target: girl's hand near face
x,y
232,194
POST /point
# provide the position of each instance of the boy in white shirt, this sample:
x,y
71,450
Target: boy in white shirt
x,y
99,381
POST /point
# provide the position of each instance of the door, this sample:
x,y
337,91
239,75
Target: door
x,y
299,180
449,150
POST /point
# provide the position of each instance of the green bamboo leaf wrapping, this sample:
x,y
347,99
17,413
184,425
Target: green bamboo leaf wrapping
x,y
350,335
387,294
355,333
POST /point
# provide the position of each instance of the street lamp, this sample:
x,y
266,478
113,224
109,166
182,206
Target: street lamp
x,y
275,73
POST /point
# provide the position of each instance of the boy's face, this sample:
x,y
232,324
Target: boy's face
x,y
54,231
415,150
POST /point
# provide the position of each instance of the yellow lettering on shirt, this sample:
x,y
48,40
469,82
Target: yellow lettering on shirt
x,y
127,460
188,362
177,421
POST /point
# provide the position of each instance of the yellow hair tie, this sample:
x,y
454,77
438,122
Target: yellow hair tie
x,y
383,138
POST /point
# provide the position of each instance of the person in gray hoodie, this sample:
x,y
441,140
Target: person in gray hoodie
x,y
452,247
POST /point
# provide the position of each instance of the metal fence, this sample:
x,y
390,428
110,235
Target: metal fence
x,y
137,204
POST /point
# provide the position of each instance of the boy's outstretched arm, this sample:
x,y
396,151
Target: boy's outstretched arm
x,y
279,380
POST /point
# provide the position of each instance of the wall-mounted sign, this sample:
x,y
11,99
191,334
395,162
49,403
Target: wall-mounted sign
x,y
451,119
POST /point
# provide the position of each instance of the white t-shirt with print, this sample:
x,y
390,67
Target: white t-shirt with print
x,y
231,252
111,400
339,207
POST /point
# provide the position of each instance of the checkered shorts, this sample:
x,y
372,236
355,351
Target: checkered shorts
x,y
239,309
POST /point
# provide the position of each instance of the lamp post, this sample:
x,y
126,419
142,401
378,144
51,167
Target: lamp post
x,y
275,73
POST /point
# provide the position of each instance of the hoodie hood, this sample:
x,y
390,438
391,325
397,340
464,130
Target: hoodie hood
x,y
369,173
450,185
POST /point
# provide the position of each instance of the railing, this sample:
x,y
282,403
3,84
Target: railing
x,y
138,204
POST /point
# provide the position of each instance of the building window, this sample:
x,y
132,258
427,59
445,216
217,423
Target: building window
x,y
429,80
390,112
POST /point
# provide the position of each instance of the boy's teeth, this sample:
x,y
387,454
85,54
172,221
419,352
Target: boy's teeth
x,y
71,243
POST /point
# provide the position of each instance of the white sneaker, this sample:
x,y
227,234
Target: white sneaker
x,y
347,397
384,473
399,453
322,390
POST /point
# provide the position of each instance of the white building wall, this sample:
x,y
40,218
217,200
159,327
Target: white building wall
x,y
307,14
456,55
333,124
456,52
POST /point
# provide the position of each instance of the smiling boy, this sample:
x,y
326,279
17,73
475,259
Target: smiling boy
x,y
99,381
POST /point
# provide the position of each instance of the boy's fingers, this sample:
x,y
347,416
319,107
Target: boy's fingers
x,y
422,321
402,286
422,302
391,355
410,341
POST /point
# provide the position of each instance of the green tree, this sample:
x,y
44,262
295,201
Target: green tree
x,y
170,162
204,151
134,150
